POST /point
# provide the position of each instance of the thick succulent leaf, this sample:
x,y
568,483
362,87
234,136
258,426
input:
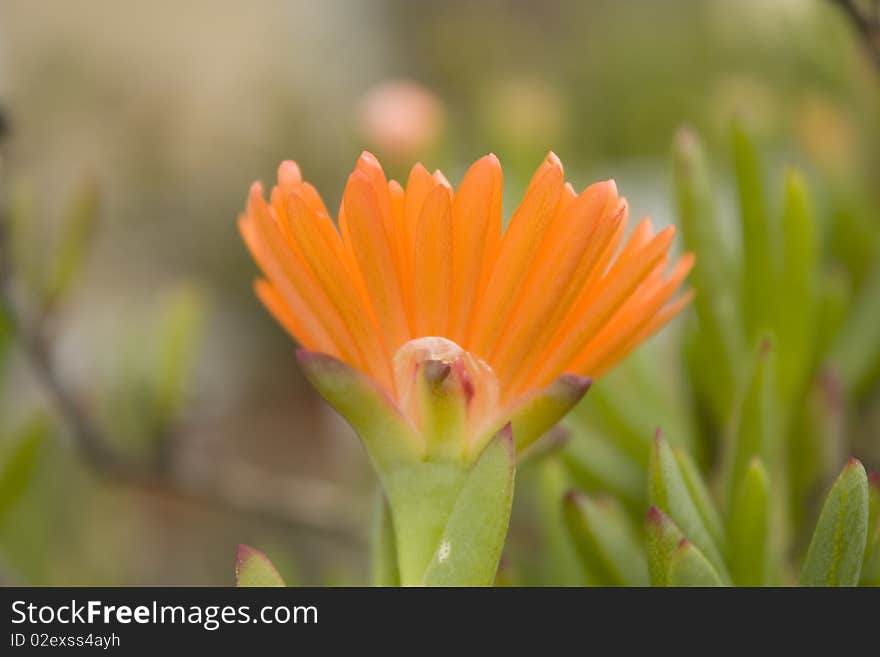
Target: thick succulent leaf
x,y
758,274
871,567
856,351
796,308
560,564
755,434
253,569
835,296
75,238
19,459
662,537
688,567
837,548
388,437
716,302
383,552
470,548
180,330
633,400
748,528
543,408
605,540
552,442
669,493
818,445
699,493
598,464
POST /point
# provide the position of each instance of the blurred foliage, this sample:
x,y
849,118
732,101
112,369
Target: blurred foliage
x,y
771,393
762,391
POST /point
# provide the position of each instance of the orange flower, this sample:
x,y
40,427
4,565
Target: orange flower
x,y
559,291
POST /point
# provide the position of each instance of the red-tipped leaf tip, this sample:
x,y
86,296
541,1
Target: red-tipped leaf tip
x,y
243,553
683,543
853,462
578,385
874,479
308,359
571,497
658,436
765,347
505,435
654,516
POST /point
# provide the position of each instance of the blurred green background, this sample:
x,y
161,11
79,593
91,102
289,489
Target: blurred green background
x,y
134,131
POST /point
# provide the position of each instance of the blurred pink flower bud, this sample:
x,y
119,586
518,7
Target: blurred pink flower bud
x,y
401,118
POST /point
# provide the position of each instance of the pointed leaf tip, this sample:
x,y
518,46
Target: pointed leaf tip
x,y
366,405
837,548
254,569
685,504
607,543
654,516
540,410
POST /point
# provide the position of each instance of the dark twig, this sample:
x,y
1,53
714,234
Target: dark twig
x,y
866,20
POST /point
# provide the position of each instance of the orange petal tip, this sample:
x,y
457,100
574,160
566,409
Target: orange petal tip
x,y
289,173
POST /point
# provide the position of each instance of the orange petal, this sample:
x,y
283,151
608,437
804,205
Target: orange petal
x,y
476,233
526,229
281,311
293,280
609,345
590,313
433,264
373,254
322,249
563,261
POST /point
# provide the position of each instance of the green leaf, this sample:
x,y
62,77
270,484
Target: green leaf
x,y
755,434
796,308
699,493
662,537
713,278
597,464
470,548
19,459
837,549
688,567
383,555
871,568
669,493
76,235
548,445
759,276
253,569
630,404
606,542
834,299
819,445
560,564
542,409
386,434
180,330
748,526
856,351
